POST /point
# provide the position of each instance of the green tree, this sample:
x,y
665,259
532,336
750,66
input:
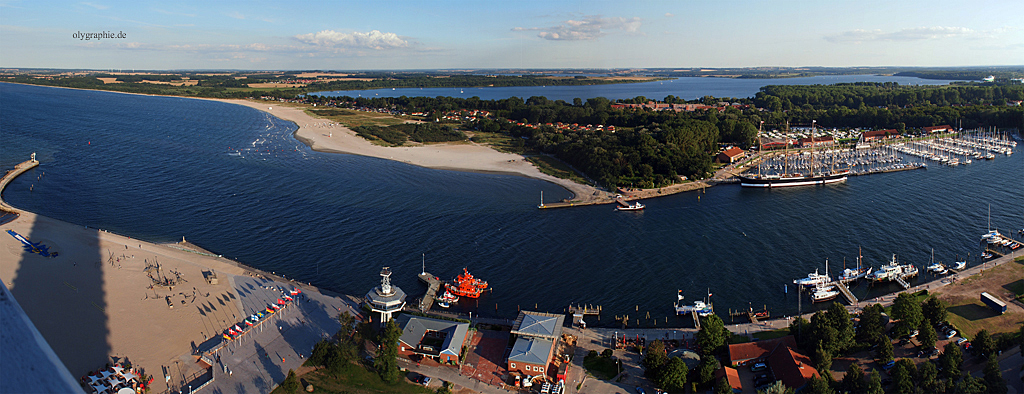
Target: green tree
x,y
885,350
934,310
801,330
874,383
871,327
823,362
290,383
348,324
903,374
928,378
723,386
951,361
971,385
839,318
706,370
983,344
817,385
853,380
994,376
908,312
655,358
926,334
673,376
777,388
712,336
386,362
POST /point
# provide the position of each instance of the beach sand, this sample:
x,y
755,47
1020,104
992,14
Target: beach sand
x,y
323,136
94,303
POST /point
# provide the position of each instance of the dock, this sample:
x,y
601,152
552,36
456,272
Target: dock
x,y
902,282
585,310
18,170
845,291
696,319
433,285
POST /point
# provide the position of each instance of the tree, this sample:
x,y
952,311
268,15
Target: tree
x,y
983,344
712,336
903,374
875,383
386,362
706,369
853,381
951,361
817,385
908,312
801,330
934,310
839,318
926,334
970,385
655,358
928,378
994,376
870,327
290,383
885,350
777,388
348,324
673,376
823,362
723,386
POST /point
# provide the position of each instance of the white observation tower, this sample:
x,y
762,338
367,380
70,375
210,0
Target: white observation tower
x,y
385,299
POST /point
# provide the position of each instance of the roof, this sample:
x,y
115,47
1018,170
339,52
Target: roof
x,y
27,363
531,350
733,152
792,368
879,133
759,349
933,128
733,376
538,324
414,327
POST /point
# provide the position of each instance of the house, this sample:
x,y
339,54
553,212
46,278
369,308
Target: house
x,y
817,141
880,135
732,375
537,336
937,129
730,155
440,340
792,368
751,352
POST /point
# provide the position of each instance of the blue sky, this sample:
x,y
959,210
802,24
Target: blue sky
x,y
358,35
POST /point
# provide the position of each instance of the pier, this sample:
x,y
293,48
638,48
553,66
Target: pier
x,y
11,174
902,282
845,291
585,310
433,285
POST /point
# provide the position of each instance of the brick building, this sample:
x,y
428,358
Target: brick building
x,y
537,336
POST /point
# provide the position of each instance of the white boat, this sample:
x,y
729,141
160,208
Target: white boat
x,y
824,293
443,304
699,306
635,206
449,297
959,265
886,272
852,274
814,278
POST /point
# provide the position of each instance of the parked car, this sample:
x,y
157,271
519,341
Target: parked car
x,y
888,365
961,341
425,381
640,390
903,342
928,353
912,334
950,334
758,367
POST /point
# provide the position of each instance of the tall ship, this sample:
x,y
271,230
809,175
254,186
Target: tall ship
x,y
465,285
852,274
787,178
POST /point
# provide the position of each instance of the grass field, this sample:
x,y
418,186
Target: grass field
x,y
771,334
970,315
556,168
355,379
498,141
603,368
352,118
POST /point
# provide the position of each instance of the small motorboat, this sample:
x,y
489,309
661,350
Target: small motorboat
x,y
959,265
443,304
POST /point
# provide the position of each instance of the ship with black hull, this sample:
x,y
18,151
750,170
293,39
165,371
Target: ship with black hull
x,y
769,181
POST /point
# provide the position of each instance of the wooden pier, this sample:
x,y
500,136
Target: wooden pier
x,y
846,292
585,310
749,315
433,285
696,319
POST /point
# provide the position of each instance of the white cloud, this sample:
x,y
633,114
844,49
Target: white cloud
x,y
669,14
96,6
373,39
590,28
911,34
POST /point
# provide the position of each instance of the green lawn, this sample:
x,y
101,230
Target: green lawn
x,y
763,335
355,379
556,168
603,368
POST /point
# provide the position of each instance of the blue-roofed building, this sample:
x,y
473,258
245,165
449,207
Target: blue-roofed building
x,y
537,336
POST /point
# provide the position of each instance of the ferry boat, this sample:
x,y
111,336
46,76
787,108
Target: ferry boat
x,y
887,272
824,293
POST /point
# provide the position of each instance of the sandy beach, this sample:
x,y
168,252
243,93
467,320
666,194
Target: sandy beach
x,y
96,303
324,136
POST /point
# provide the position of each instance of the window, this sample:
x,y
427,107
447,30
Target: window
x,y
513,365
540,369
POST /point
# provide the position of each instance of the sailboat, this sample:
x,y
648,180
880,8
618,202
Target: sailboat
x,y
852,274
936,268
992,236
794,179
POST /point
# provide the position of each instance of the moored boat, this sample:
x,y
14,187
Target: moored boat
x,y
635,206
824,293
886,272
702,308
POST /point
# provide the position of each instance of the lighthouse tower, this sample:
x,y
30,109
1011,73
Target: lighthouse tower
x,y
385,299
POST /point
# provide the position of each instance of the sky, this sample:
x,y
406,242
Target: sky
x,y
438,34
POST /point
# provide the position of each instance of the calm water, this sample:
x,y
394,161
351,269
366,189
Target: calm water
x,y
158,168
686,88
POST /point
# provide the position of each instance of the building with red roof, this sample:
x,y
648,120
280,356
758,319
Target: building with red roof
x,y
937,129
733,377
730,155
880,134
750,352
792,368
